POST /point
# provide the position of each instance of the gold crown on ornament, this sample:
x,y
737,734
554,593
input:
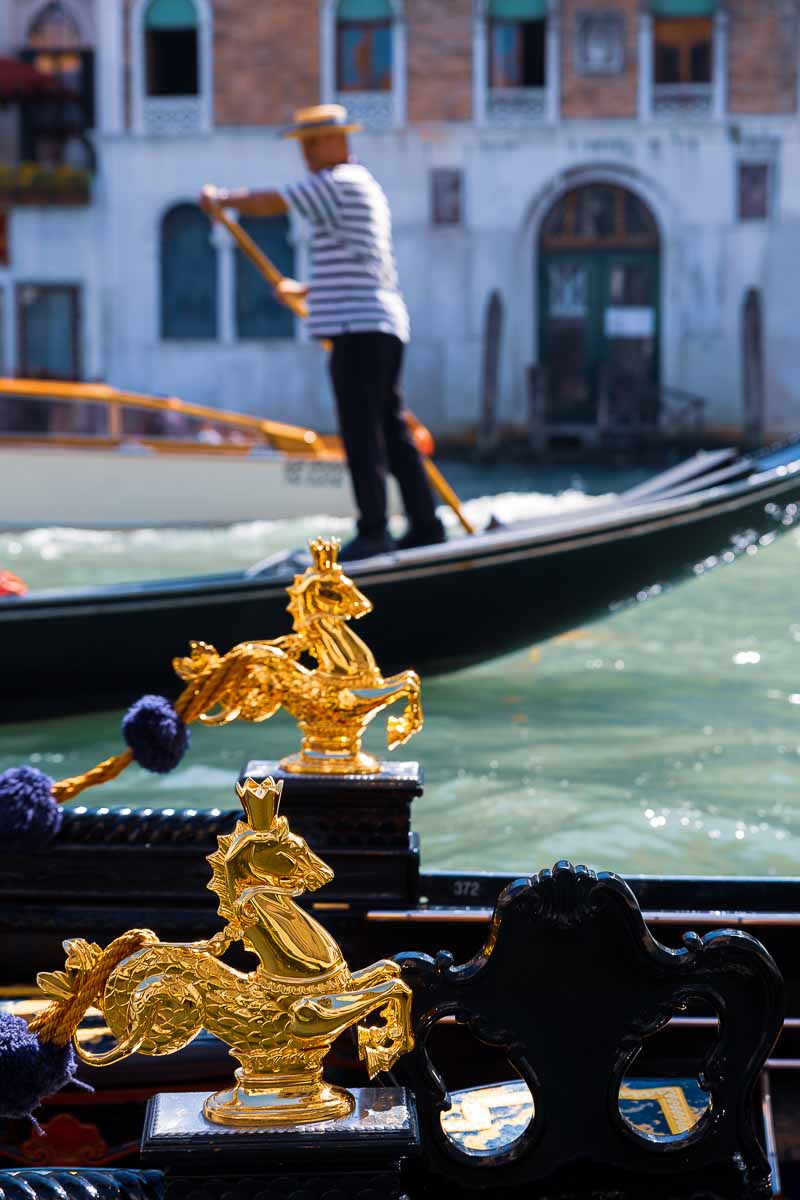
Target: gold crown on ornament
x,y
260,802
325,554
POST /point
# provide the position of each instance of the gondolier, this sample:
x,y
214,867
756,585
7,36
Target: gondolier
x,y
354,301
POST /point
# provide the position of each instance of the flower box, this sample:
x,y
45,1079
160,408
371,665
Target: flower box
x,y
29,184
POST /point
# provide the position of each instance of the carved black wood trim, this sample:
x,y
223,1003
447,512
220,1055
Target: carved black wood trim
x,y
139,827
80,1183
569,982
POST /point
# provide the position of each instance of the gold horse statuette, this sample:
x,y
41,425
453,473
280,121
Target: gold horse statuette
x,y
280,1019
332,703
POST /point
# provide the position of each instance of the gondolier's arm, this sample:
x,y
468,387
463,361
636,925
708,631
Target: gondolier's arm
x,y
257,204
251,204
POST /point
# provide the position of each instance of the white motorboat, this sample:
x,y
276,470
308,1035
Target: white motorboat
x,y
221,468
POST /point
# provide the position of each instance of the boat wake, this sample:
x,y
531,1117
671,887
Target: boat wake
x,y
55,557
510,507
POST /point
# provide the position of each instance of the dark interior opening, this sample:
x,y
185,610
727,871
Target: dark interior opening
x,y
172,62
517,54
683,50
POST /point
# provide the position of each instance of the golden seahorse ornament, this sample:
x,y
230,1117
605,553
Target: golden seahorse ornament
x,y
334,702
279,1019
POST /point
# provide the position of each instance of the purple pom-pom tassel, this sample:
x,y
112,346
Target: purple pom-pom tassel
x,y
156,734
29,815
29,1068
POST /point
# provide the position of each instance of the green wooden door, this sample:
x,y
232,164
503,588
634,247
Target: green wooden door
x,y
599,317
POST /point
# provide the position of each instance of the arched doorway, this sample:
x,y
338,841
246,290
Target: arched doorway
x,y
753,365
599,290
492,341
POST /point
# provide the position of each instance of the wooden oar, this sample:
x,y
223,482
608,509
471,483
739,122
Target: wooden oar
x,y
299,307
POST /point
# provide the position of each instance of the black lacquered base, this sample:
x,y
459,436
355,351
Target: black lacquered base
x,y
360,824
356,1156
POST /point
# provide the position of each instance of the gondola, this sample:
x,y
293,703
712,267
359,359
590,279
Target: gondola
x,y
97,647
380,903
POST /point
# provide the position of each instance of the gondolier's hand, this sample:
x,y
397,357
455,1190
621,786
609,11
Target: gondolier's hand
x,y
210,199
290,288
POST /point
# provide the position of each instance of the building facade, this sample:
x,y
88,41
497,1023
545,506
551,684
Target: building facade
x,y
596,204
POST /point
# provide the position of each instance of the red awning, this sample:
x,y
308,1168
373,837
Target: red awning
x,y
21,81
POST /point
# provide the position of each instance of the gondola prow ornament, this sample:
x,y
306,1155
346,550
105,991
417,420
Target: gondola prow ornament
x,y
279,1020
334,702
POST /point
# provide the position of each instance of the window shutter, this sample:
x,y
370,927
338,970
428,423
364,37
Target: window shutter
x,y
683,8
171,14
364,10
518,10
188,275
258,313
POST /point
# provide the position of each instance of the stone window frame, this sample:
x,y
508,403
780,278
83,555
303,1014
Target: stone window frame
x,y
28,11
480,64
719,66
582,19
205,68
225,256
755,159
205,230
76,290
439,218
328,65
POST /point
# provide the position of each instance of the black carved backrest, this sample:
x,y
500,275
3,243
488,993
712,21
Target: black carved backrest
x,y
569,982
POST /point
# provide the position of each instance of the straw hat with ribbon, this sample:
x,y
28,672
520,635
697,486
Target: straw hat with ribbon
x,y
321,119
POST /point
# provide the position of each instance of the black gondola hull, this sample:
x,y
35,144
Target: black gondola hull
x,y
437,609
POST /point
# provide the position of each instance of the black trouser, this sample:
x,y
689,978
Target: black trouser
x,y
365,372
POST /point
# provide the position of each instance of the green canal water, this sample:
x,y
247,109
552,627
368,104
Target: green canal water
x,y
665,738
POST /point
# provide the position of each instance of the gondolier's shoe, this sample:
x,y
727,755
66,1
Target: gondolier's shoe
x,y
363,546
426,535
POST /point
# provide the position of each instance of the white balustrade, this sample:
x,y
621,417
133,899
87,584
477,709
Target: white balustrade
x,y
517,107
683,100
373,109
172,116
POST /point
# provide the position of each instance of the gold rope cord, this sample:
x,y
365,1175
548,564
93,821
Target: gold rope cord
x,y
195,700
58,1022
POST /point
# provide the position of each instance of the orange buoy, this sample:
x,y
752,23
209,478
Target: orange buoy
x,y
11,584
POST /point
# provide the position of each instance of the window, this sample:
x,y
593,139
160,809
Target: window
x,y
258,313
188,275
600,44
53,131
683,50
687,77
48,320
446,189
754,191
364,46
516,44
516,67
363,60
171,48
599,216
171,67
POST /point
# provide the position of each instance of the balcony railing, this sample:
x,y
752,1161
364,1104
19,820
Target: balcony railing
x,y
172,116
372,109
683,99
517,108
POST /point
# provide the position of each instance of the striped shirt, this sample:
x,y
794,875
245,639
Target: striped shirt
x,y
353,286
